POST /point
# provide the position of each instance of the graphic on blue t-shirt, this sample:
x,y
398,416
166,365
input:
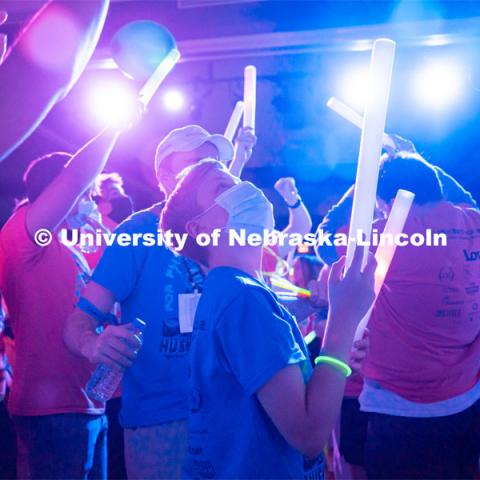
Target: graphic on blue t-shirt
x,y
173,343
242,337
147,281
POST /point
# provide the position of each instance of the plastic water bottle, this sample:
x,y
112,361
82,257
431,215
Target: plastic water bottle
x,y
105,380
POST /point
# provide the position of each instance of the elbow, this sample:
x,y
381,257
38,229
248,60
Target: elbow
x,y
313,446
311,442
71,337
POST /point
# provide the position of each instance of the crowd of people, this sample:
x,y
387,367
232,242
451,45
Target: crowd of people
x,y
263,384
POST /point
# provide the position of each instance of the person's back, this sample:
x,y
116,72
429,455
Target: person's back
x,y
238,333
40,285
421,376
60,431
425,330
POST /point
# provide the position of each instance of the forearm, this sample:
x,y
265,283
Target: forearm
x,y
80,330
90,160
238,162
57,200
325,390
299,220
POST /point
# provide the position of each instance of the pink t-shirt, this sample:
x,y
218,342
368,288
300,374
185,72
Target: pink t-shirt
x,y
425,327
40,287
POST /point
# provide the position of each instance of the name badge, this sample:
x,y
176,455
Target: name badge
x,y
187,306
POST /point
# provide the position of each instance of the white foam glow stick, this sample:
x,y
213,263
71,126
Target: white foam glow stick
x,y
373,127
234,121
158,76
353,117
384,254
249,96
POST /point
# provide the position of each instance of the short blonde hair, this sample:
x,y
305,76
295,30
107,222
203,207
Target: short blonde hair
x,y
182,205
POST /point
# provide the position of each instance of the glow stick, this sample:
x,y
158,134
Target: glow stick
x,y
288,295
234,121
309,337
158,76
353,117
373,127
289,286
249,96
384,254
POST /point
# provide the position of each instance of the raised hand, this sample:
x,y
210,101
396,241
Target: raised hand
x,y
287,188
351,294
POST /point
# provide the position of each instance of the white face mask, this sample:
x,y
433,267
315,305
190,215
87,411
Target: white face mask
x,y
247,208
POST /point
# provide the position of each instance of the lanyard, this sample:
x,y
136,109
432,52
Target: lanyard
x,y
195,275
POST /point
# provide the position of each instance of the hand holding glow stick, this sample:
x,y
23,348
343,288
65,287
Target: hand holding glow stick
x,y
250,96
234,121
353,117
384,254
381,65
158,76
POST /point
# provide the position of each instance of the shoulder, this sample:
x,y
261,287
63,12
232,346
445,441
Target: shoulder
x,y
234,290
142,221
15,230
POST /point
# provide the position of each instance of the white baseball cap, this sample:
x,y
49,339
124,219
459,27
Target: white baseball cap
x,y
189,138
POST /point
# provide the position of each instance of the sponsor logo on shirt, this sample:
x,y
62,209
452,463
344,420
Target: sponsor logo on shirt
x,y
471,256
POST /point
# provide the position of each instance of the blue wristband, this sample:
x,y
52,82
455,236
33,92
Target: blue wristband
x,y
90,309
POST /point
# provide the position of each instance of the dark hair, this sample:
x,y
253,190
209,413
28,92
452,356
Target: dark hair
x,y
41,172
411,172
182,206
310,266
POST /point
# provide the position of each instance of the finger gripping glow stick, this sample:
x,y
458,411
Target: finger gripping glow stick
x,y
234,121
250,96
385,252
381,65
158,76
352,116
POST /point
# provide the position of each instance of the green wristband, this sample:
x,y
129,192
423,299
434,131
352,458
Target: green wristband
x,y
335,363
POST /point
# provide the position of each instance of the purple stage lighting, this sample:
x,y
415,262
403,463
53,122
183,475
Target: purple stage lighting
x,y
173,100
109,101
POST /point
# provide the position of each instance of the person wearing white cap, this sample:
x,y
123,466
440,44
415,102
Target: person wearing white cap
x,y
148,283
185,146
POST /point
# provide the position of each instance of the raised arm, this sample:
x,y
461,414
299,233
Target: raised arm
x,y
299,217
28,90
306,414
243,150
57,200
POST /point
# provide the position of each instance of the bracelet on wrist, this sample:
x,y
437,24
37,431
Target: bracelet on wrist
x,y
337,364
296,204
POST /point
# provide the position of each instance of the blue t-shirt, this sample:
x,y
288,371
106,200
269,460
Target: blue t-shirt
x,y
146,281
242,337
